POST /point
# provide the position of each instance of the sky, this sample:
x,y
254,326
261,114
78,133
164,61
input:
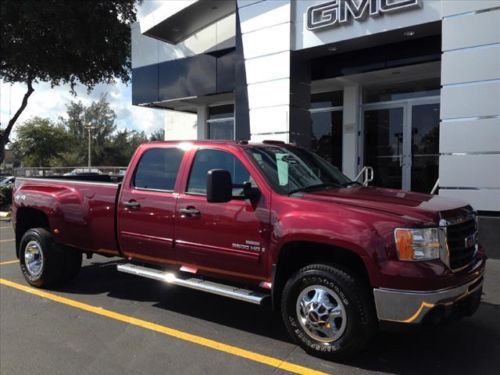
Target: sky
x,y
51,103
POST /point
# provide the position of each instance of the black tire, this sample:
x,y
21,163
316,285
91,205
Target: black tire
x,y
348,332
72,265
38,243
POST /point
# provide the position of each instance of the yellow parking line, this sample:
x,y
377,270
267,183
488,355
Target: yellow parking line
x,y
212,344
9,240
9,262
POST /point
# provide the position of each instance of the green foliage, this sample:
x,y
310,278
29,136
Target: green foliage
x,y
58,41
120,150
157,135
40,141
101,118
5,197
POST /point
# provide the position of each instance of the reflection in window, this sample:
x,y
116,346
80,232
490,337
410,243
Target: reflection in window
x,y
205,160
220,122
327,99
326,138
401,90
157,169
290,169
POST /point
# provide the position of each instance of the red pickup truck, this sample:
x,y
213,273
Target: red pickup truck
x,y
262,223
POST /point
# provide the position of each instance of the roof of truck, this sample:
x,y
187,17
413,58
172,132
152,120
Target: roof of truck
x,y
221,142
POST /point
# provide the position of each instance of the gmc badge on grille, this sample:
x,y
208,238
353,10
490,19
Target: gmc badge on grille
x,y
470,240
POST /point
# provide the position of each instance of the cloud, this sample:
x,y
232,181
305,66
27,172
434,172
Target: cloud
x,y
149,6
51,103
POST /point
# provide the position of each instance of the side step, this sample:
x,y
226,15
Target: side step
x,y
194,283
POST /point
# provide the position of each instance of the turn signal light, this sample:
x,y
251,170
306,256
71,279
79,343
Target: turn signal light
x,y
404,244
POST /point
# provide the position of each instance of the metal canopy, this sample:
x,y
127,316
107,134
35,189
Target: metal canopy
x,y
185,20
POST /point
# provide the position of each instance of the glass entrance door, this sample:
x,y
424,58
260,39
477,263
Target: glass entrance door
x,y
401,143
424,146
384,146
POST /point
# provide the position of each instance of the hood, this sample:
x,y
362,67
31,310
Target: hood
x,y
417,207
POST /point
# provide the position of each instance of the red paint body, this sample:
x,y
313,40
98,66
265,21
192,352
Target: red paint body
x,y
92,216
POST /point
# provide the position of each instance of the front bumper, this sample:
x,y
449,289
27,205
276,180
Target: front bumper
x,y
412,307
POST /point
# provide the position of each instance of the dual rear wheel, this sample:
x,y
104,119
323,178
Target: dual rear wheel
x,y
43,262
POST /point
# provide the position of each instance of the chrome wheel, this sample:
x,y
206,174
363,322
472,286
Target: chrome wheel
x,y
321,313
33,259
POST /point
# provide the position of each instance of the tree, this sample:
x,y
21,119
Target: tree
x,y
157,135
40,141
58,41
101,118
120,150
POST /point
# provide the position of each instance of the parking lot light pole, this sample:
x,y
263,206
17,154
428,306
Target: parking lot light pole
x,y
89,127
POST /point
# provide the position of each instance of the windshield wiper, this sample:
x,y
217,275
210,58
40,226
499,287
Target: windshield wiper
x,y
314,187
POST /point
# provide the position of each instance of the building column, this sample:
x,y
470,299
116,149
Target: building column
x,y
350,130
201,127
469,162
277,90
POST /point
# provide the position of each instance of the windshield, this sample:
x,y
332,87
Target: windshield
x,y
292,169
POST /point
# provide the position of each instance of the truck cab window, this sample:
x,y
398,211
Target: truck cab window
x,y
206,160
157,169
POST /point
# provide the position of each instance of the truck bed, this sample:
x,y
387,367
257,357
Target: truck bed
x,y
82,210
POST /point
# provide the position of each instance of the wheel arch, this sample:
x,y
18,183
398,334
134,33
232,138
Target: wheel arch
x,y
298,254
28,218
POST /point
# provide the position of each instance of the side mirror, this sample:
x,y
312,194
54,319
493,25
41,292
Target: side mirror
x,y
219,186
250,192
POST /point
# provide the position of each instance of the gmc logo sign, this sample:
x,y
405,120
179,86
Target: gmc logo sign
x,y
338,12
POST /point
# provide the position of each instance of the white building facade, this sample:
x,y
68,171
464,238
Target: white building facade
x,y
408,87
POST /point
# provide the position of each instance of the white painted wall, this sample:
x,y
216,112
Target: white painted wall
x,y
469,165
266,33
180,126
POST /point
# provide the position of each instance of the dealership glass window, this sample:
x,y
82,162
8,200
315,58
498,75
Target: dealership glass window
x,y
157,169
401,90
326,137
220,122
327,99
425,120
326,126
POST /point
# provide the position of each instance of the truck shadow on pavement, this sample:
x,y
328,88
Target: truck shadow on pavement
x,y
468,346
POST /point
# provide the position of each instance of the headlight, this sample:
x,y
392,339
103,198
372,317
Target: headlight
x,y
419,244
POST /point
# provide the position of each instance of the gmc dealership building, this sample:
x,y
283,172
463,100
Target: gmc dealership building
x,y
408,87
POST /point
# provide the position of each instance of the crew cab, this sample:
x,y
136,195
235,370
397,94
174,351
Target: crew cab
x,y
265,223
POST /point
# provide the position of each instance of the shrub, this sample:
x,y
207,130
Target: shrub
x,y
5,197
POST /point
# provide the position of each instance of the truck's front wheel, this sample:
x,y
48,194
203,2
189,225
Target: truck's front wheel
x,y
328,311
40,258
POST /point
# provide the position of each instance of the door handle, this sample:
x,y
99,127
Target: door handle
x,y
132,204
189,212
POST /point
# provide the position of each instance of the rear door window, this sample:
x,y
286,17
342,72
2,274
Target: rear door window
x,y
157,169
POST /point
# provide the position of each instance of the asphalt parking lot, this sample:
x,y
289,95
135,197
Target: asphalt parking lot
x,y
113,323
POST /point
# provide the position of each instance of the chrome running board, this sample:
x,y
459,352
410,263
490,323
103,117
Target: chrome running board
x,y
194,283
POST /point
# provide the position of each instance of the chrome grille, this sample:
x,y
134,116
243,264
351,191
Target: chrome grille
x,y
461,239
